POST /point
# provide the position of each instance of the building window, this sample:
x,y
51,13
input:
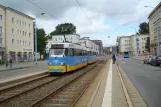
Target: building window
x,y
25,24
12,41
25,33
17,21
23,42
20,22
29,34
137,44
0,17
17,41
20,32
0,30
29,43
17,32
12,20
29,25
20,42
55,39
12,30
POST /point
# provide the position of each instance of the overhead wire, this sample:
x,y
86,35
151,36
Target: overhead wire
x,y
43,10
85,13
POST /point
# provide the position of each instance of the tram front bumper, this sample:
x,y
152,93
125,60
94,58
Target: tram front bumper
x,y
58,69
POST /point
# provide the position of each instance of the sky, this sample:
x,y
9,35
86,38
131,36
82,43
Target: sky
x,y
98,19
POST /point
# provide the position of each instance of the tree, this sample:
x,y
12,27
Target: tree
x,y
144,28
41,41
147,44
66,28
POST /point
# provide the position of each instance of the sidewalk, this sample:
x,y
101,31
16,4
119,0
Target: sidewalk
x,y
111,88
22,65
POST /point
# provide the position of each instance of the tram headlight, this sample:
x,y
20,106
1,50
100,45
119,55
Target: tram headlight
x,y
63,63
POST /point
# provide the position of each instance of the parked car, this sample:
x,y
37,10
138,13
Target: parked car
x,y
147,59
156,61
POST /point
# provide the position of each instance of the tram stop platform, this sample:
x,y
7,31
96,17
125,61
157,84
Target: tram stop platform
x,y
111,88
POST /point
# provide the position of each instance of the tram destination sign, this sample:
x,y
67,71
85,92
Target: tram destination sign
x,y
57,46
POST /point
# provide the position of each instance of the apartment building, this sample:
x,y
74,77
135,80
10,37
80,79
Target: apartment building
x,y
17,34
153,28
85,41
100,44
124,44
129,44
71,38
140,46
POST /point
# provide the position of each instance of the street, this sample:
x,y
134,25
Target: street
x,y
146,78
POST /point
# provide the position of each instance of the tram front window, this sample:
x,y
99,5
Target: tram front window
x,y
58,52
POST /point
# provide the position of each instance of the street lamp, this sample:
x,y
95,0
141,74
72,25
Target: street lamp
x,y
136,42
157,34
36,38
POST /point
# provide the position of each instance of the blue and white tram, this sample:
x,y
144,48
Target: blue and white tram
x,y
66,57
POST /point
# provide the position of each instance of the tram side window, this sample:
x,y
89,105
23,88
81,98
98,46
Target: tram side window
x,y
66,52
71,52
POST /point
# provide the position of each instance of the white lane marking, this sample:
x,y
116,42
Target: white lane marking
x,y
123,62
139,64
107,99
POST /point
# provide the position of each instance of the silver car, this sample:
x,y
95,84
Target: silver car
x,y
147,59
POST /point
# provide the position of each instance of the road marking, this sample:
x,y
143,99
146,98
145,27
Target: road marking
x,y
139,64
107,101
123,62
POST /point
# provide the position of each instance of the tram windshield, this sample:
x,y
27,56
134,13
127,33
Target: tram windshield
x,y
58,52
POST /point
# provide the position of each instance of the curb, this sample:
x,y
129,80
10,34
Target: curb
x,y
16,68
97,87
129,102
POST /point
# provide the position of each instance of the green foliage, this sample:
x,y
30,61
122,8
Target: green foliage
x,y
147,45
41,41
66,28
144,28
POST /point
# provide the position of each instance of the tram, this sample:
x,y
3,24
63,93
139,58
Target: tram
x,y
67,57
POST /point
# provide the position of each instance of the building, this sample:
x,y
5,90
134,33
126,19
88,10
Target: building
x,y
16,30
141,41
100,44
124,44
71,38
128,44
85,41
153,29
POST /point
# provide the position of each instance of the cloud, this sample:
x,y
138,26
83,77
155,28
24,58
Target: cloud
x,y
123,12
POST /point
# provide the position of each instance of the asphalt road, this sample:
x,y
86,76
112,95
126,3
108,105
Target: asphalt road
x,y
146,78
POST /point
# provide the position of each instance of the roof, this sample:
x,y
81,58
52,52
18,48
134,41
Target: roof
x,y
66,35
9,8
153,11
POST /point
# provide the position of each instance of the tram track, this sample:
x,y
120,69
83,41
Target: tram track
x,y
29,93
70,93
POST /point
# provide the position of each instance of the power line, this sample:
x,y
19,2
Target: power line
x,y
43,10
85,13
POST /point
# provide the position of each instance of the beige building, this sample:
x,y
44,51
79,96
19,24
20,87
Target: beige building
x,y
152,28
16,30
124,44
128,44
